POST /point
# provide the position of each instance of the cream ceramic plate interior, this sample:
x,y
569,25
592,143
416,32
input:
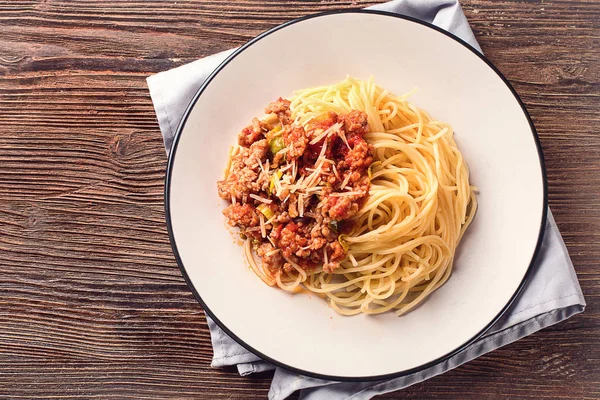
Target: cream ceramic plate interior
x,y
454,84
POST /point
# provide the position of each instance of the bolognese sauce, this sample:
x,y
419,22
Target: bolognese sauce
x,y
293,189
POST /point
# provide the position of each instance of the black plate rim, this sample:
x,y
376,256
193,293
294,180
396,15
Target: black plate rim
x,y
392,375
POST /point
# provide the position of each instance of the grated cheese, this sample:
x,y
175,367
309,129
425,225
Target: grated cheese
x,y
342,135
337,194
326,133
263,229
261,166
277,187
283,169
301,205
273,252
335,171
270,220
261,199
322,153
313,176
346,180
294,169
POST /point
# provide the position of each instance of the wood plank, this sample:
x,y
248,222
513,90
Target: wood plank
x,y
93,304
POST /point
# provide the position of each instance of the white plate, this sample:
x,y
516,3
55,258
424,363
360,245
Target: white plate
x,y
455,84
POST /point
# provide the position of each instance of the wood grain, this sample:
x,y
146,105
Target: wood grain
x,y
92,304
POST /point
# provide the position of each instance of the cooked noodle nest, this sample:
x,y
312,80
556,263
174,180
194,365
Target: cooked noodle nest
x,y
420,203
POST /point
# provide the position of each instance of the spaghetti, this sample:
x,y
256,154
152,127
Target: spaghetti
x,y
353,194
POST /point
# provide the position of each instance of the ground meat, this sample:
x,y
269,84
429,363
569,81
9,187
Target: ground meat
x,y
310,239
339,149
278,159
358,181
317,243
244,176
336,256
324,121
355,176
239,184
253,132
297,139
281,108
339,207
359,156
315,231
241,215
258,152
276,232
283,217
357,153
292,242
328,233
224,189
355,122
270,258
333,180
293,206
362,185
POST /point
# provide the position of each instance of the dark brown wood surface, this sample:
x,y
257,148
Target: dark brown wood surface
x,y
92,304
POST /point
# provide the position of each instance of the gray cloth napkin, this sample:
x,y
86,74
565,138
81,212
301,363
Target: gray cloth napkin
x,y
551,295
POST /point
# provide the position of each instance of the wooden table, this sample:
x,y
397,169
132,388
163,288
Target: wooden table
x,y
92,304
